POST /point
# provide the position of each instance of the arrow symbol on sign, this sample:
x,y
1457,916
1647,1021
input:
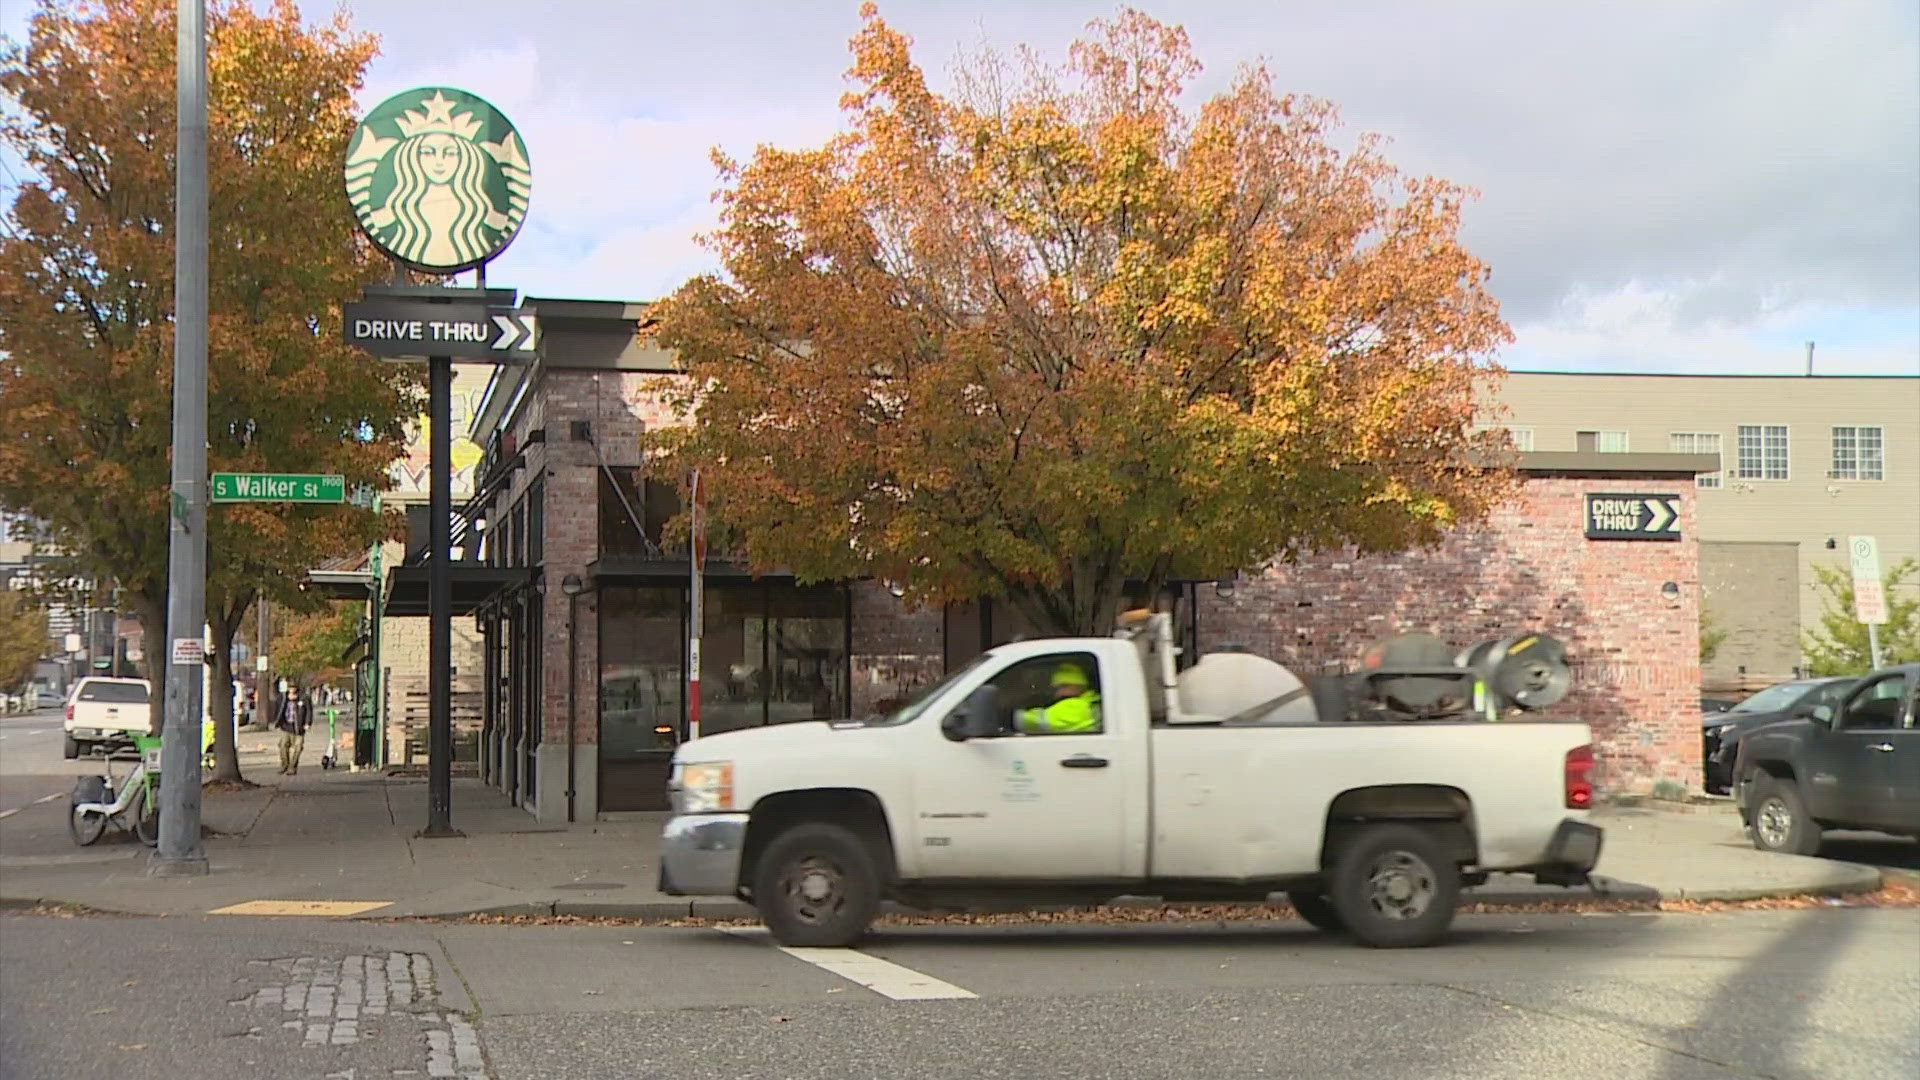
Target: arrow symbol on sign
x,y
1663,512
517,332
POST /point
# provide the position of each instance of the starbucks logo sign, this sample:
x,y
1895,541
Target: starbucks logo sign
x,y
438,178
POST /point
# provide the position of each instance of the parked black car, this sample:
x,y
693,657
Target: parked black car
x,y
1852,766
1721,732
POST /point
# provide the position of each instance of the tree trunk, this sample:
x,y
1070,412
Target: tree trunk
x,y
153,641
226,756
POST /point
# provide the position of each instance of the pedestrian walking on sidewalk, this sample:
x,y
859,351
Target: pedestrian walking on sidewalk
x,y
295,715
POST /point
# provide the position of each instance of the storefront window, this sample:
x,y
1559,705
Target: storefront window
x,y
732,660
807,654
641,642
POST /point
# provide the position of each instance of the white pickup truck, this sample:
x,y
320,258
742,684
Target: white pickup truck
x,y
1370,828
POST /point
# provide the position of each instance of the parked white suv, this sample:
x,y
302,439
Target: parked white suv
x,y
105,713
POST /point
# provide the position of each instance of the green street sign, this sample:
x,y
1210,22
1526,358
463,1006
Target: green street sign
x,y
279,487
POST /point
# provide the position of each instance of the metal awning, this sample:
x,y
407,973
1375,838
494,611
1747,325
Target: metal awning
x,y
340,584
472,587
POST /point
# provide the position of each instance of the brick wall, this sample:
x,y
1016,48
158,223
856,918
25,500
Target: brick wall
x,y
573,542
1635,654
1752,591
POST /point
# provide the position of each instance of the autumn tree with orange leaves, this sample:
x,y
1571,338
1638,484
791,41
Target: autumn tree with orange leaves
x,y
1052,332
86,298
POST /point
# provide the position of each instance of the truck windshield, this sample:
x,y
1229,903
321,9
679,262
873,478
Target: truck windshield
x,y
911,709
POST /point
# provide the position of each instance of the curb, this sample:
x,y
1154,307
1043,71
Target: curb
x,y
1858,879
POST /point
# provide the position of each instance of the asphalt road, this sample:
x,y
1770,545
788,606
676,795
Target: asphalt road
x,y
1827,993
34,781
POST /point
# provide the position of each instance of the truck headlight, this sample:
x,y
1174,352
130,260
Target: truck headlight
x,y
704,789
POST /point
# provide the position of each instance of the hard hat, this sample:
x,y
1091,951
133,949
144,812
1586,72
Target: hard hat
x,y
1070,674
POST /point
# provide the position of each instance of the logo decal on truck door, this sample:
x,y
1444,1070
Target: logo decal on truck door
x,y
1019,784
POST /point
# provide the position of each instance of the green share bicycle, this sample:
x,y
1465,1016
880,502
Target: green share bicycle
x,y
131,801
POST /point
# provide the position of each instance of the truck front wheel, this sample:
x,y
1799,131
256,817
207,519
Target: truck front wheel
x,y
1780,819
816,887
1394,886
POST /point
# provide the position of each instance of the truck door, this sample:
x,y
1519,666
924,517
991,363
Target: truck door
x,y
1877,715
1855,769
1045,800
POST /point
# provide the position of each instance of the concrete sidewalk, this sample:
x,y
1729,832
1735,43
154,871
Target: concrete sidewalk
x,y
340,836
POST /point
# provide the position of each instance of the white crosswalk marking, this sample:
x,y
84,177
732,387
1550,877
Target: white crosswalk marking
x,y
880,976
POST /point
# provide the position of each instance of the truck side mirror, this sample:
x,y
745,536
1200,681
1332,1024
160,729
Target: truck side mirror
x,y
1819,714
978,717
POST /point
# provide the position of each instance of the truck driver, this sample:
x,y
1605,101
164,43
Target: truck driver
x,y
1075,709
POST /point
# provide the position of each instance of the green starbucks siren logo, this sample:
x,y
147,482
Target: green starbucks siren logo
x,y
438,179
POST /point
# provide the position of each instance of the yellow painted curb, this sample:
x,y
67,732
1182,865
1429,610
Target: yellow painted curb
x,y
320,908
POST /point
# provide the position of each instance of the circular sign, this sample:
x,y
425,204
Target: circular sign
x,y
438,179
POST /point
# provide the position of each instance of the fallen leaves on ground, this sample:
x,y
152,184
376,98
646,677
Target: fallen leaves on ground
x,y
1898,892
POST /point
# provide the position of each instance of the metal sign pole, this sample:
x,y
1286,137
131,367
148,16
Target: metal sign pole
x,y
696,605
180,852
440,603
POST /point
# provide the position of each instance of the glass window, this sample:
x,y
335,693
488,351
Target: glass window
x,y
806,643
1522,438
117,693
1877,705
1761,452
1697,442
1859,453
642,639
1057,694
537,522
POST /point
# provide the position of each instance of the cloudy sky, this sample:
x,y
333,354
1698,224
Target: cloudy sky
x,y
1665,186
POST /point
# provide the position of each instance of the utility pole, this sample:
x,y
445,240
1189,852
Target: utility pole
x,y
180,851
262,695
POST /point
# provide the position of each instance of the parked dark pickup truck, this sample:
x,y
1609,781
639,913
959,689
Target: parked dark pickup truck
x,y
1854,766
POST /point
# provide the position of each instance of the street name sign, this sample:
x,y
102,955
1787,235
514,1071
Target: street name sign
x,y
416,330
279,487
1615,516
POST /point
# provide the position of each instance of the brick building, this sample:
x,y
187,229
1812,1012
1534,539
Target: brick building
x,y
582,609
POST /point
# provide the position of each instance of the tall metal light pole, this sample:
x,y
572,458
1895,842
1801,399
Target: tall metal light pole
x,y
440,601
180,851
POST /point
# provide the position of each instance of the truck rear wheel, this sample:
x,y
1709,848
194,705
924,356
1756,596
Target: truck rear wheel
x,y
1394,886
70,749
816,887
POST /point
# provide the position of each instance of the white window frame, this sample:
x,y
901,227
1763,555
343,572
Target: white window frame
x,y
1522,437
1786,466
1600,437
1859,457
1707,479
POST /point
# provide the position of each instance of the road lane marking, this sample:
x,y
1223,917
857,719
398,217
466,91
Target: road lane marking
x,y
4,814
311,908
883,977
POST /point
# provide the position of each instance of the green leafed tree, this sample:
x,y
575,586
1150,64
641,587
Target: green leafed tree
x,y
1839,645
86,299
1068,327
23,637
